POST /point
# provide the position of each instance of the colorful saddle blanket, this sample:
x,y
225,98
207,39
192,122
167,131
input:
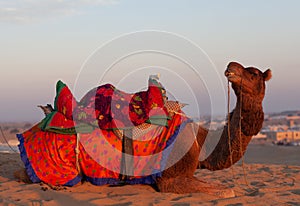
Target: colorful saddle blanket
x,y
107,108
48,149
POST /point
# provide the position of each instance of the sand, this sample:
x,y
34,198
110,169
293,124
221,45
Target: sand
x,y
272,173
268,184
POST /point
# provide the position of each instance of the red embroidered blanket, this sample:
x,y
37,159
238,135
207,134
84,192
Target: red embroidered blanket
x,y
107,108
48,149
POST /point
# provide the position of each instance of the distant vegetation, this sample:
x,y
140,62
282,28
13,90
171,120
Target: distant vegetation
x,y
13,131
6,128
27,125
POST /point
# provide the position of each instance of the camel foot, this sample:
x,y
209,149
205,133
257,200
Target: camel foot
x,y
182,185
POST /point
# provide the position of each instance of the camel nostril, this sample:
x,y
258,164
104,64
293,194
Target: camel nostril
x,y
228,73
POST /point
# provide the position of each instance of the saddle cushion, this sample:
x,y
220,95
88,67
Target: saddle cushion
x,y
106,107
64,101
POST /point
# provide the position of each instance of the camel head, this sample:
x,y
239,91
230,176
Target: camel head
x,y
250,80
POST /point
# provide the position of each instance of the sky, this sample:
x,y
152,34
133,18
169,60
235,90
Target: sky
x,y
88,42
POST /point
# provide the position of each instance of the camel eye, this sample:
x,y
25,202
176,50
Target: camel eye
x,y
254,72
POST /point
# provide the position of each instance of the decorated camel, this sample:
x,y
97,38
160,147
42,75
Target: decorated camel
x,y
139,138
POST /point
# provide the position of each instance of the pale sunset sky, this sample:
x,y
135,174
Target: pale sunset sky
x,y
43,41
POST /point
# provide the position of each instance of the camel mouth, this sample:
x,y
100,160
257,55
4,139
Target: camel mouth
x,y
229,74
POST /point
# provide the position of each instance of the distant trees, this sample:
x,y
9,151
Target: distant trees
x,y
13,131
27,126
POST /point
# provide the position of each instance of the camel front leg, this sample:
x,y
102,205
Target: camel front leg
x,y
181,185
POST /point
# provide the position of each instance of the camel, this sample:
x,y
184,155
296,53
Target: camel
x,y
245,120
249,87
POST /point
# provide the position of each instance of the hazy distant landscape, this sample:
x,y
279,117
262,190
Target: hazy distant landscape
x,y
261,151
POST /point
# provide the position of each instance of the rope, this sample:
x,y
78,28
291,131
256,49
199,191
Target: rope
x,y
77,151
228,127
2,133
240,136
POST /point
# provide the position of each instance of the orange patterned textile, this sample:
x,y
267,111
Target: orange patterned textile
x,y
50,157
48,148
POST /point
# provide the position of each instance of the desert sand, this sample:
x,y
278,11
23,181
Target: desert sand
x,y
270,176
267,185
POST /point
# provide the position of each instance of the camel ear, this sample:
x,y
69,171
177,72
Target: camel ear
x,y
267,75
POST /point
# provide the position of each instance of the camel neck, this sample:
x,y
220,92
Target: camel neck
x,y
245,121
250,109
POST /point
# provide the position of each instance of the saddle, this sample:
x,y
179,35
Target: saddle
x,y
129,116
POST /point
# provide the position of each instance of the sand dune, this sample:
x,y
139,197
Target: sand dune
x,y
267,185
